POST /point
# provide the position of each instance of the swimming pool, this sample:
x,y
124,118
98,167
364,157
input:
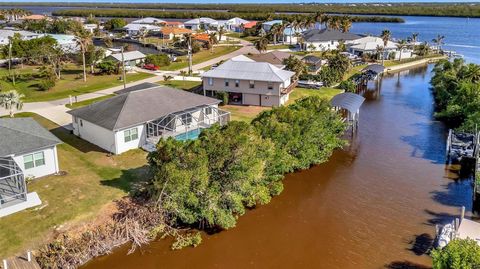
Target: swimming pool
x,y
190,135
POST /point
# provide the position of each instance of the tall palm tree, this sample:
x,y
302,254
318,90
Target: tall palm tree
x,y
83,39
261,44
401,45
414,37
319,17
11,100
346,24
212,39
380,52
221,31
386,35
439,42
274,31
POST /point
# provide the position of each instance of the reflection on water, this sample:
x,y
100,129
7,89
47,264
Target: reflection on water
x,y
373,205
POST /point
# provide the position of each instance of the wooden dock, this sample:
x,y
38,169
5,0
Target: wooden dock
x,y
19,263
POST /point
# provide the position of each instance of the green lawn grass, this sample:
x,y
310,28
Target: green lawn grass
x,y
71,83
199,57
181,84
324,92
92,181
89,101
279,46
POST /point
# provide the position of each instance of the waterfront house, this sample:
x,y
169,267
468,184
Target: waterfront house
x,y
149,20
5,34
326,39
201,23
171,32
177,24
313,63
27,150
131,58
134,29
274,57
269,24
139,118
249,83
371,44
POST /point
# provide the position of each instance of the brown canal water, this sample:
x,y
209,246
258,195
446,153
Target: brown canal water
x,y
373,205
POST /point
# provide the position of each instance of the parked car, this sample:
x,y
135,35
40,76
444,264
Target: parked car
x,y
151,67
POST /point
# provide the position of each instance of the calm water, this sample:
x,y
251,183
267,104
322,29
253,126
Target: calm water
x,y
372,205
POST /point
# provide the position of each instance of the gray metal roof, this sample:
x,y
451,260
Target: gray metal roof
x,y
141,86
22,135
376,68
274,57
243,70
128,56
349,101
327,35
137,107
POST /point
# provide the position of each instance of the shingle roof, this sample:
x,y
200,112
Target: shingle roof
x,y
274,57
141,86
249,71
327,35
22,135
140,106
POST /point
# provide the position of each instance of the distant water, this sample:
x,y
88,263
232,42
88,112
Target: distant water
x,y
461,34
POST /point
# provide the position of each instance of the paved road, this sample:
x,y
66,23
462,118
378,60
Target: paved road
x,y
56,110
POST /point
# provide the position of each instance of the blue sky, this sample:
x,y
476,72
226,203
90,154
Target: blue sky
x,y
240,1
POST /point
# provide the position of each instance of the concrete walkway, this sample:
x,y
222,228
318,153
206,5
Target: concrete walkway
x,y
56,110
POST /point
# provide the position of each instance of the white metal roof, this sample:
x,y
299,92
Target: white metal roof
x,y
138,27
148,20
370,43
201,20
259,71
349,101
129,56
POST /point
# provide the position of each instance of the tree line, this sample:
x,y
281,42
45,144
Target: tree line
x,y
456,88
132,13
416,9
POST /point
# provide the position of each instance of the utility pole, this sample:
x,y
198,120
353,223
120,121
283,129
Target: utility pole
x,y
10,60
123,71
189,55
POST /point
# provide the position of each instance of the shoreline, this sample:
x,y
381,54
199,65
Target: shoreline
x,y
412,64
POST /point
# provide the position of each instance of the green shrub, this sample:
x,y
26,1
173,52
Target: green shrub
x,y
108,67
158,59
347,86
223,96
46,84
458,254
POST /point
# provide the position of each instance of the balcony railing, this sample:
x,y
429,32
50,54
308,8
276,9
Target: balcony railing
x,y
290,88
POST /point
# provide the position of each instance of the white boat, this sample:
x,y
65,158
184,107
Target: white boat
x,y
446,235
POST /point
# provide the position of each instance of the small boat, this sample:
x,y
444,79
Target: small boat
x,y
445,235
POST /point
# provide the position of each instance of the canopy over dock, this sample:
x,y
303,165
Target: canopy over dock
x,y
351,103
374,68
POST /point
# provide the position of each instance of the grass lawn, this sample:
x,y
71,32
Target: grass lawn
x,y
92,181
199,57
279,46
88,102
248,113
239,35
70,84
181,84
354,70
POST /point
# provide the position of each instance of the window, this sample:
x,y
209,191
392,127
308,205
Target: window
x,y
227,83
237,83
186,118
210,81
270,85
252,84
131,134
208,110
34,160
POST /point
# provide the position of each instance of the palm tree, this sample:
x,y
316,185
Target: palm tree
x,y
439,42
401,45
221,31
386,35
414,37
11,100
472,73
83,39
380,52
275,30
261,44
319,17
183,73
346,24
212,39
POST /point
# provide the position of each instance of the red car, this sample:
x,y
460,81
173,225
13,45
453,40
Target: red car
x,y
151,67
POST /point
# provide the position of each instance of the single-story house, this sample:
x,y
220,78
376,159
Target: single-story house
x,y
197,24
131,58
171,32
149,20
274,57
250,24
68,43
177,24
269,24
326,39
141,117
136,29
25,35
249,83
370,45
27,150
235,24
314,63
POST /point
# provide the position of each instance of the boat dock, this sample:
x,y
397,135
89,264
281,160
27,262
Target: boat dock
x,y
19,262
460,228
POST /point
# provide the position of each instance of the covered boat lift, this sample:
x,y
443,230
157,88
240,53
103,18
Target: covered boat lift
x,y
370,72
349,105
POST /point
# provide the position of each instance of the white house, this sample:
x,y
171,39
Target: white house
x,y
149,20
326,39
27,150
140,117
131,58
25,35
370,45
197,24
136,29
